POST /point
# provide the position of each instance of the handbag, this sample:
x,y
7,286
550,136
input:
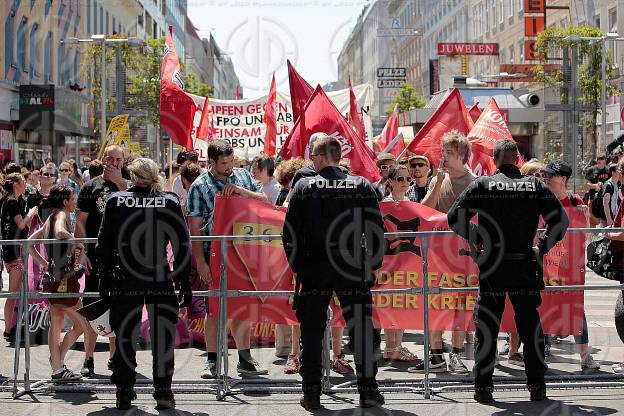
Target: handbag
x,y
602,260
62,280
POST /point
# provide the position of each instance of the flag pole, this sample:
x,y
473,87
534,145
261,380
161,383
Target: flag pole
x,y
170,158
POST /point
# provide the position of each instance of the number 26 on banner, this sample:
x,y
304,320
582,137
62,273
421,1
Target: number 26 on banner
x,y
247,228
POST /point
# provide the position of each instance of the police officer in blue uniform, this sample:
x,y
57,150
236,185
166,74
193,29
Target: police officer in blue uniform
x,y
509,206
136,229
333,238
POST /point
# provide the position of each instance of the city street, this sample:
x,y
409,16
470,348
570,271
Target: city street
x,y
607,349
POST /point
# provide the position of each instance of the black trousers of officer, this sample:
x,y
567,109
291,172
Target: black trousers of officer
x,y
487,315
357,310
126,313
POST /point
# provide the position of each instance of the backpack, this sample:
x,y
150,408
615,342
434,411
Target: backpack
x,y
597,208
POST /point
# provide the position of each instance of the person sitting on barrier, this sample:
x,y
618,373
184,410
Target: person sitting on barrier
x,y
556,175
222,178
14,223
62,200
509,206
399,181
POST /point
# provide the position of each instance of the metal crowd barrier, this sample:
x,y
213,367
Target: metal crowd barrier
x,y
222,386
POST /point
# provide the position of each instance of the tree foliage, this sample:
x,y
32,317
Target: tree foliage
x,y
407,98
589,71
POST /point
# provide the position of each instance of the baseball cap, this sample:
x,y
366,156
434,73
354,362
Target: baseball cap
x,y
558,168
421,157
384,156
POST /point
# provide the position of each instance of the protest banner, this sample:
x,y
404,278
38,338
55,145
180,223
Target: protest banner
x,y
262,265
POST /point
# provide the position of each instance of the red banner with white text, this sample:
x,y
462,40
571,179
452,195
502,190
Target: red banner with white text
x,y
262,265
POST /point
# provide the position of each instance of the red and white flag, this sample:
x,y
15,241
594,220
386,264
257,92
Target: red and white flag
x,y
452,114
389,132
475,112
269,120
177,108
396,146
300,90
321,115
206,130
355,118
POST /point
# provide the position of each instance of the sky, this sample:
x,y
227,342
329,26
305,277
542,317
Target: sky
x,y
260,35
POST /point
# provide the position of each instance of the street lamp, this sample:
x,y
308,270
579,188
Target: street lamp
x,y
132,41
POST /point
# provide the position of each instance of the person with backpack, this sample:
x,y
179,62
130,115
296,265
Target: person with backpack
x,y
611,195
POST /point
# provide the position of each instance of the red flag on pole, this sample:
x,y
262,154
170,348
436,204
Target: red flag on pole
x,y
300,90
450,115
389,132
269,120
177,108
396,146
237,94
355,118
321,115
474,112
205,130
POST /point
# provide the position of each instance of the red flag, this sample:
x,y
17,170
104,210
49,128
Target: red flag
x,y
269,120
237,96
396,146
300,90
355,118
205,130
450,115
489,128
389,132
321,115
177,108
481,163
474,112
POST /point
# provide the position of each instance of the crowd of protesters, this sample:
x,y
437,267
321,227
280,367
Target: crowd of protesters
x,y
64,201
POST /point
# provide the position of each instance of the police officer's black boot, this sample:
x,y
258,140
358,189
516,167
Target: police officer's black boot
x,y
124,398
538,393
484,395
371,397
311,399
164,399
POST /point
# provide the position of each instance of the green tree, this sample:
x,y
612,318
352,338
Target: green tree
x,y
407,98
192,85
589,72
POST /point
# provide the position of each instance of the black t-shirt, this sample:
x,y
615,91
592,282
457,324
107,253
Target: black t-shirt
x,y
595,175
92,200
10,231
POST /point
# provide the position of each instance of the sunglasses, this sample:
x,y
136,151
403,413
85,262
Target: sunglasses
x,y
64,170
418,165
538,175
403,179
48,175
384,167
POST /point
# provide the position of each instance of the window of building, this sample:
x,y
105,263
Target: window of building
x,y
597,21
107,32
501,56
521,51
501,14
487,16
613,20
511,54
101,20
520,5
114,23
481,20
47,60
33,51
494,14
20,47
511,8
88,17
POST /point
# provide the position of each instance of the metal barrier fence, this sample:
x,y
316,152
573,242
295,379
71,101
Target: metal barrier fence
x,y
222,386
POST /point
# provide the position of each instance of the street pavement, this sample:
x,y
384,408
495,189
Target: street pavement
x,y
607,349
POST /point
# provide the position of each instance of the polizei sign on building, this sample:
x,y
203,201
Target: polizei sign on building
x,y
467,48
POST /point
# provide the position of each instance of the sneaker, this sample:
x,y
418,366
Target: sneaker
x,y
111,365
292,365
251,367
483,396
504,349
556,339
588,363
456,365
164,401
341,365
209,371
65,376
516,359
282,352
371,399
546,350
124,399
618,368
88,367
434,366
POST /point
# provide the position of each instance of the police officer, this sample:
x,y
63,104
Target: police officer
x,y
333,238
137,226
509,206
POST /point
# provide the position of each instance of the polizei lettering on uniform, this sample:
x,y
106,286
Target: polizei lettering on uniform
x,y
512,186
335,184
146,202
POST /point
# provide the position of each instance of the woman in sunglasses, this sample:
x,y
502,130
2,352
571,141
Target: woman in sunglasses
x,y
65,170
399,181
